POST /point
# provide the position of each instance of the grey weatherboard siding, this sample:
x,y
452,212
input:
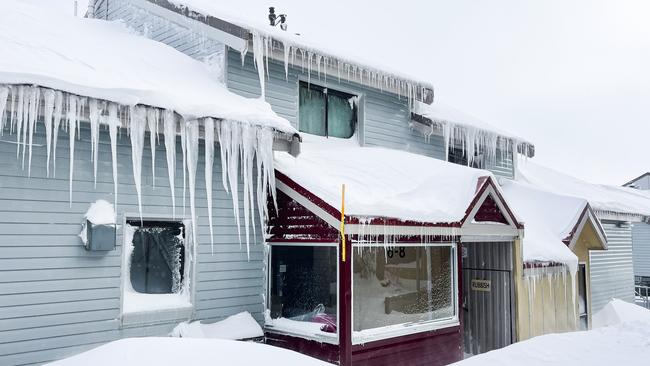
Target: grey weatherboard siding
x,y
384,117
57,299
641,249
611,270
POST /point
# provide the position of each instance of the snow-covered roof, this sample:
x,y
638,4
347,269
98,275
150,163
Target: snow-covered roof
x,y
604,198
447,115
549,219
317,48
104,60
382,182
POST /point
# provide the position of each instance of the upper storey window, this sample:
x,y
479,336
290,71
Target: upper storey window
x,y
326,112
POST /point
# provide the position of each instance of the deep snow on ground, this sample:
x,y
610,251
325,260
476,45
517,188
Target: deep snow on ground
x,y
171,351
627,342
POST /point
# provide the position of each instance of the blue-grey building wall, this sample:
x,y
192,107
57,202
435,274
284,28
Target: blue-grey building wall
x,y
56,298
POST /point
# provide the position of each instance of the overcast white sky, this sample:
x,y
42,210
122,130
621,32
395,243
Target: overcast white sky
x,y
572,76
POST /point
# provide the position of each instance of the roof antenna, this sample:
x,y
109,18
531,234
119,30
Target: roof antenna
x,y
275,19
76,4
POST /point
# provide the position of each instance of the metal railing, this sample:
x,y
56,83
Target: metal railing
x,y
642,296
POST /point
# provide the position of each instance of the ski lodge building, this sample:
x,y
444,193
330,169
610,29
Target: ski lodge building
x,y
214,166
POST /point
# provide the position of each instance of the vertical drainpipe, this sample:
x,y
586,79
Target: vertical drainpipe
x,y
345,303
459,264
517,274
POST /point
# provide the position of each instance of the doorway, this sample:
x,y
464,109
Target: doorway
x,y
488,295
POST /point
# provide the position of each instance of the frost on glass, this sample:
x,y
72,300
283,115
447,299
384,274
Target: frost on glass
x,y
304,285
158,258
398,285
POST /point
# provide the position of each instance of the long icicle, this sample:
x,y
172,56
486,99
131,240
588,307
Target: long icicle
x,y
152,121
34,103
19,117
169,130
113,123
4,93
192,143
58,115
137,128
209,160
49,96
184,151
93,115
72,127
29,101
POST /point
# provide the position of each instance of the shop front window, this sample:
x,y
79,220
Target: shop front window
x,y
303,290
402,286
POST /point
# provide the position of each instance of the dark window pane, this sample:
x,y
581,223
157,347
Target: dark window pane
x,y
398,285
341,116
312,111
303,283
158,258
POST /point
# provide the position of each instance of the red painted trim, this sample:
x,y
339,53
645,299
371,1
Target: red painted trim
x,y
407,338
411,239
322,351
388,221
308,195
482,185
507,207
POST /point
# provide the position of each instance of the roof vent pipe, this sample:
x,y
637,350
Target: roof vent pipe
x,y
275,19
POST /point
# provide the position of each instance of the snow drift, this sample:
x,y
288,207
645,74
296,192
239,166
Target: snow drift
x,y
171,351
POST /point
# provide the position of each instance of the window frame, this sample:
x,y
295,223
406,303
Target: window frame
x,y
342,92
404,329
158,316
335,340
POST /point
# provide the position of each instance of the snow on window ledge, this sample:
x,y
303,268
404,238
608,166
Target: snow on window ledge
x,y
399,330
301,329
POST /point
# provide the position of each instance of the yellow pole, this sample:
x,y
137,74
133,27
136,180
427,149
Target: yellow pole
x,y
343,222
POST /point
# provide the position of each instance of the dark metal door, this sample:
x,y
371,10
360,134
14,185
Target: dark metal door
x,y
487,296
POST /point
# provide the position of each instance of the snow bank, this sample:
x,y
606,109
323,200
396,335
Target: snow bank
x,y
617,312
239,326
170,351
623,344
382,182
601,197
548,218
104,60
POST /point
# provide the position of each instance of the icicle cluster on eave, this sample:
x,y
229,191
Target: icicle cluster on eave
x,y
22,106
266,46
470,139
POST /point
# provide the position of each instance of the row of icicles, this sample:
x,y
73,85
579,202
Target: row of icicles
x,y
477,145
241,144
311,60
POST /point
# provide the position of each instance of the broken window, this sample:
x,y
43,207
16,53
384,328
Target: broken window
x,y
326,112
402,285
304,288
